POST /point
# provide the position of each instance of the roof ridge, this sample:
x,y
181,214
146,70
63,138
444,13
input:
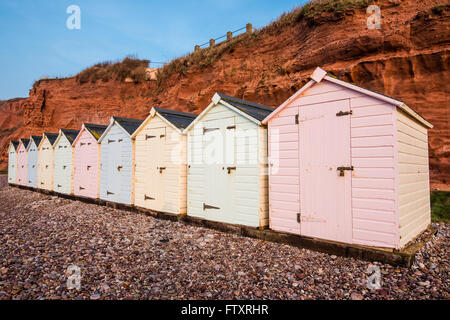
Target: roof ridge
x,y
95,125
245,102
176,112
126,119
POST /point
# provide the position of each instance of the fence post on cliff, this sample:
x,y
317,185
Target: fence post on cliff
x,y
229,35
249,28
212,42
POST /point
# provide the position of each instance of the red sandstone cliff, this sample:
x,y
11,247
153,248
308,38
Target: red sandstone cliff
x,y
406,59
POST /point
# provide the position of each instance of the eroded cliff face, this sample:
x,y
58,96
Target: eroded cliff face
x,y
406,59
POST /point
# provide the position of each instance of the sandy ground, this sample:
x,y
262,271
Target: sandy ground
x,y
124,255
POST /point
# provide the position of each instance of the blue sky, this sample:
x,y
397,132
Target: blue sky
x,y
35,41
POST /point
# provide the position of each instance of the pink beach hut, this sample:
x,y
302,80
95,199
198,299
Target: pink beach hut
x,y
349,165
86,174
22,157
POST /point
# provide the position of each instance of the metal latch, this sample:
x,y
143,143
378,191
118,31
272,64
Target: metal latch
x,y
81,188
298,217
149,137
108,193
161,169
206,206
230,168
146,197
344,113
110,141
119,168
342,169
296,119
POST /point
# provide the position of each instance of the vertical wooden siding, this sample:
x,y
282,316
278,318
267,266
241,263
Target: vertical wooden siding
x,y
32,164
63,166
45,166
414,186
172,187
116,151
284,174
12,164
86,154
22,169
242,199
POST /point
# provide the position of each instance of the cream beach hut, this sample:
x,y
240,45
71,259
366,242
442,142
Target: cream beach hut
x,y
22,158
32,164
117,160
45,161
86,173
160,155
12,161
348,164
227,150
63,174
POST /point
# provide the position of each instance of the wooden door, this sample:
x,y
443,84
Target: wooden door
x,y
114,168
219,154
325,194
154,193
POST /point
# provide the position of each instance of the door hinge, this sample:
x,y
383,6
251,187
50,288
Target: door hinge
x,y
82,144
81,188
149,137
342,169
206,206
160,169
110,141
59,186
296,119
146,197
298,217
231,127
209,129
344,113
108,193
119,168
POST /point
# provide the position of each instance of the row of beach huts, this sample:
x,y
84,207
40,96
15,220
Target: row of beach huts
x,y
335,162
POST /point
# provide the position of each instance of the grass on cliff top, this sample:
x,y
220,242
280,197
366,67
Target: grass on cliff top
x,y
206,57
130,67
440,206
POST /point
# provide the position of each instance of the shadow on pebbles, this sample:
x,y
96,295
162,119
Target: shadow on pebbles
x,y
124,255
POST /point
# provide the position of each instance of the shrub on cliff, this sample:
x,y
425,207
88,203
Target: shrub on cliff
x,y
130,67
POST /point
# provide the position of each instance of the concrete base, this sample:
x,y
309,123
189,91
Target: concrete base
x,y
404,257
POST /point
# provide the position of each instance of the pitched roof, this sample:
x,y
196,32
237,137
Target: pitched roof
x,y
130,125
179,119
15,144
36,139
95,129
51,137
319,74
70,134
255,110
25,142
